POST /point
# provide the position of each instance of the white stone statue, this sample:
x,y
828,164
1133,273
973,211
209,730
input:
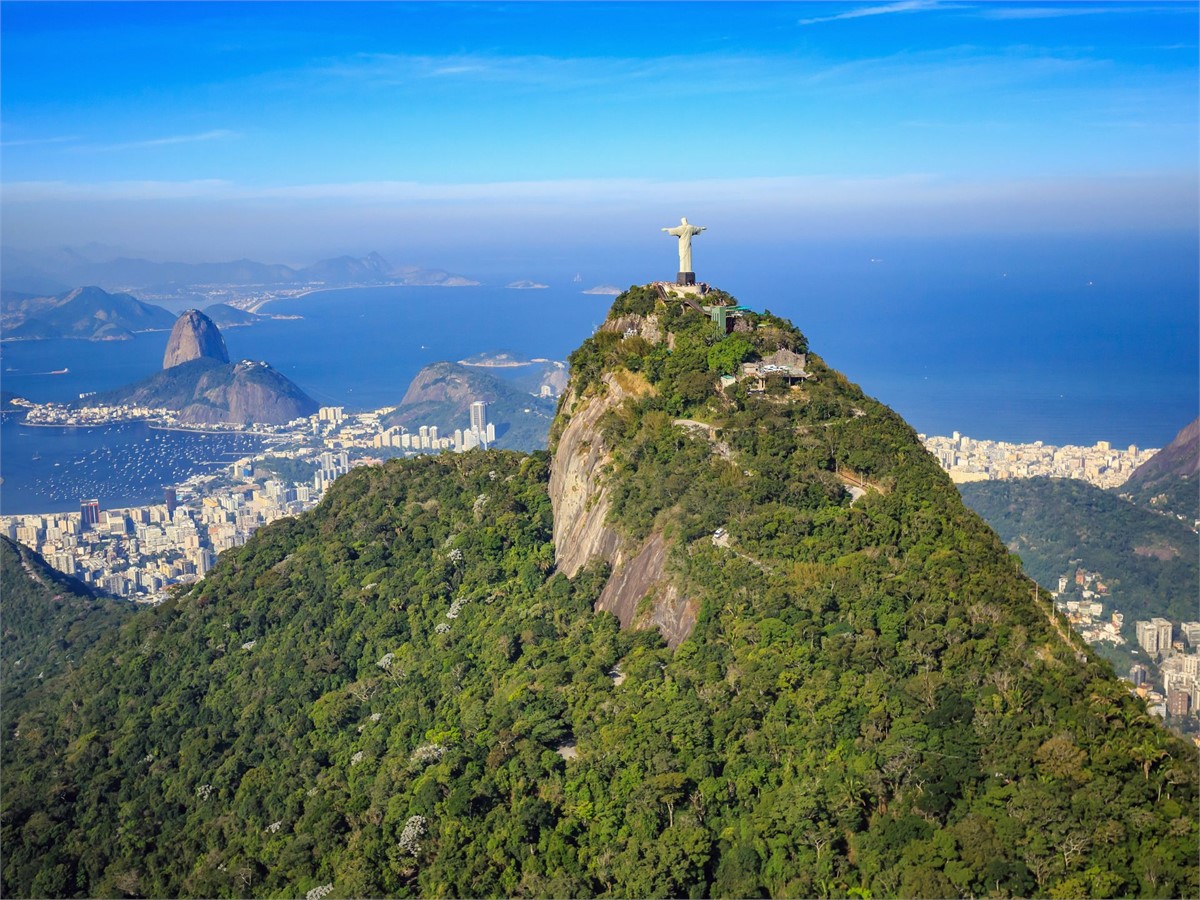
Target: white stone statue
x,y
684,232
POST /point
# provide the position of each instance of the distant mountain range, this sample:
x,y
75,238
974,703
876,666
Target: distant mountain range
x,y
54,272
87,312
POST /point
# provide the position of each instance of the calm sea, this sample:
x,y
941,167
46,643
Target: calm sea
x,y
52,469
1065,341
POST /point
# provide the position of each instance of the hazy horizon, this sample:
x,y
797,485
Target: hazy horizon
x,y
444,133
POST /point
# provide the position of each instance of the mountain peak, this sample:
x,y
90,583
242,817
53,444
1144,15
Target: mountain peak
x,y
194,336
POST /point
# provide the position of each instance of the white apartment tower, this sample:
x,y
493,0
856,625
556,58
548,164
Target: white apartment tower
x,y
479,423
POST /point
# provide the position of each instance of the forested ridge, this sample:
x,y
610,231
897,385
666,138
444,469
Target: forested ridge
x,y
396,694
1148,560
48,619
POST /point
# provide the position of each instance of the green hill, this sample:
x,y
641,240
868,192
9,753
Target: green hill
x,y
441,394
1168,482
409,692
49,619
1148,562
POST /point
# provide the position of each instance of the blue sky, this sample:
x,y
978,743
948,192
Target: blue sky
x,y
286,131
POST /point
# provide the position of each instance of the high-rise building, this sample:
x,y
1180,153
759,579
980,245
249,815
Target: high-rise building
x,y
1164,633
89,513
172,501
1154,636
1191,631
479,418
1178,702
1147,637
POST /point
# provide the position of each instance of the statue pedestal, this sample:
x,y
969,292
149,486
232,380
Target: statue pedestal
x,y
685,278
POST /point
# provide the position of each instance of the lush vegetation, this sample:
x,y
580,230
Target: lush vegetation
x,y
1167,483
286,469
49,619
1149,561
397,695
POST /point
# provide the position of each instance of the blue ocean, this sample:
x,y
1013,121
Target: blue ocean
x,y
1059,340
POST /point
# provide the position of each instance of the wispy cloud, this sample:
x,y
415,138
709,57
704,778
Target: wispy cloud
x,y
218,134
902,6
29,142
1075,9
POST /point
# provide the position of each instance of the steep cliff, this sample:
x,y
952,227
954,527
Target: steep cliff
x,y
194,336
578,491
640,592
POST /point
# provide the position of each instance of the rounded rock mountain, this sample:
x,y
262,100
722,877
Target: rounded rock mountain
x,y
194,336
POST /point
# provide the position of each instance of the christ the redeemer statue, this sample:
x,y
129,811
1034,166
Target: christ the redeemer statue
x,y
685,232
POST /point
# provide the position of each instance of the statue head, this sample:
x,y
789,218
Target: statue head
x,y
683,221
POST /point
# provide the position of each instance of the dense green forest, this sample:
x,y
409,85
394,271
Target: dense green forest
x,y
1149,561
1167,484
48,619
396,694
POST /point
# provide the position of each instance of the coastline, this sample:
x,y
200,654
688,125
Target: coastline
x,y
82,424
258,305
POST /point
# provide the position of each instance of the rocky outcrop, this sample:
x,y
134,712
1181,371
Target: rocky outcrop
x,y
577,491
195,336
643,577
1179,459
631,323
206,392
580,501
580,497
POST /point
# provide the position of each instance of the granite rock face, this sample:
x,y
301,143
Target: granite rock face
x,y
581,499
195,336
577,492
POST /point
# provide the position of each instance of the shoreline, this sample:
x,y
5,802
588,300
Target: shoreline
x,y
150,423
82,424
258,305
184,428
